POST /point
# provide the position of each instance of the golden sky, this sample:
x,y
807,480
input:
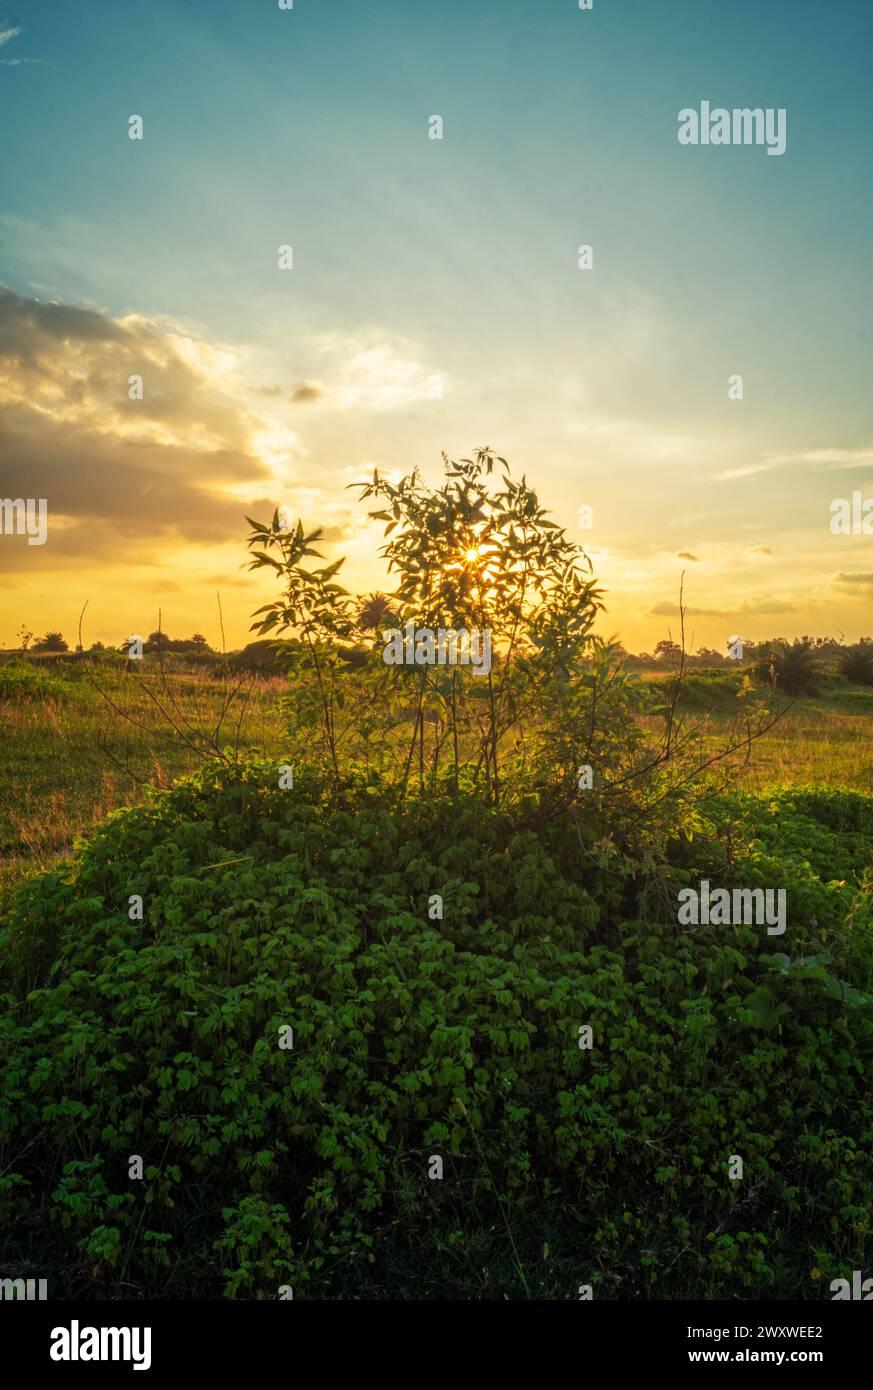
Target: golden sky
x,y
436,300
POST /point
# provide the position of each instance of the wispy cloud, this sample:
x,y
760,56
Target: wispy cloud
x,y
6,35
750,470
833,459
830,460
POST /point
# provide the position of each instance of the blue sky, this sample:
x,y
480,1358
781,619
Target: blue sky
x,y
456,259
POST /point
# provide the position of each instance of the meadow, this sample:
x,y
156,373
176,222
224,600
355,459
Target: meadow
x,y
68,757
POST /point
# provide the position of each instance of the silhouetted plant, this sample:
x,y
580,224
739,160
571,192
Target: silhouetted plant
x,y
856,663
794,669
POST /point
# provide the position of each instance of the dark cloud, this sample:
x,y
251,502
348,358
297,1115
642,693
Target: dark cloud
x,y
26,324
131,484
855,580
120,477
686,555
306,392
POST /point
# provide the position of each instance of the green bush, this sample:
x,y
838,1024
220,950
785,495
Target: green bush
x,y
416,1037
22,680
704,691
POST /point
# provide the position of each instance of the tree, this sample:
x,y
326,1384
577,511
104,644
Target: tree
x,y
856,662
473,556
794,668
51,642
708,656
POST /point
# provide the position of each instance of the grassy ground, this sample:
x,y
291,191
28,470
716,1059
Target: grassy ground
x,y
67,757
813,745
821,742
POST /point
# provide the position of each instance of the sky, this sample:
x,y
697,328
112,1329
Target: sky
x,y
436,300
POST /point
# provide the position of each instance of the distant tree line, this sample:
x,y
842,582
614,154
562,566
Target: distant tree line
x,y
794,666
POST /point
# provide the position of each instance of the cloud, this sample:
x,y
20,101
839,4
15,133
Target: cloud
x,y
751,470
302,394
369,372
305,392
6,35
754,606
760,550
686,555
831,460
27,324
834,460
672,610
749,608
855,580
122,477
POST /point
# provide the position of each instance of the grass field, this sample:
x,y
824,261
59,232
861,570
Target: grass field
x,y
68,757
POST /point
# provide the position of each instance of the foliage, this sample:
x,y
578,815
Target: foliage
x,y
793,668
22,680
468,556
415,1037
467,871
856,662
160,641
51,642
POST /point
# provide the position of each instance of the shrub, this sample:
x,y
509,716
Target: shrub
x,y
416,1037
21,680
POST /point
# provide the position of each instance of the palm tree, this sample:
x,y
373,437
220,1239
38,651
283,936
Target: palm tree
x,y
856,663
793,668
52,642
